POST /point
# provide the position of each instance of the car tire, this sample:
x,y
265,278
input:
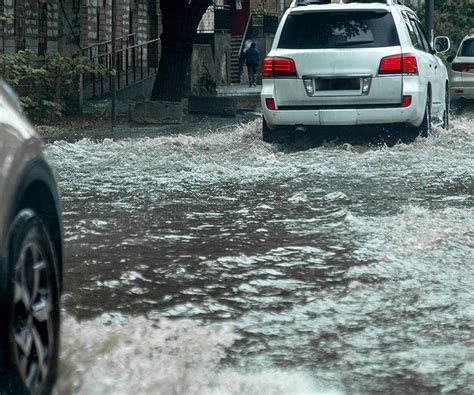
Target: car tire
x,y
424,130
268,135
447,102
458,106
29,309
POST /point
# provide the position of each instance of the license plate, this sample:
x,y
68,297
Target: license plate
x,y
337,84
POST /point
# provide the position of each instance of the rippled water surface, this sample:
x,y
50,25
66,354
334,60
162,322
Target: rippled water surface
x,y
216,263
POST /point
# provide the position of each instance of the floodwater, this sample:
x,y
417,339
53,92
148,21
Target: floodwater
x,y
213,263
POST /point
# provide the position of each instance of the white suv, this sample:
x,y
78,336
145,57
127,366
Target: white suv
x,y
352,64
462,70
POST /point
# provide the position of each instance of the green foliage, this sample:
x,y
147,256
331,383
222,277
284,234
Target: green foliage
x,y
6,16
45,83
452,19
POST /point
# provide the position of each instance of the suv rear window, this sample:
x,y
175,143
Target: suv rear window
x,y
467,48
356,29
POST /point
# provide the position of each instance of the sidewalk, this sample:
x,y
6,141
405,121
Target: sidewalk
x,y
246,98
95,123
239,90
74,129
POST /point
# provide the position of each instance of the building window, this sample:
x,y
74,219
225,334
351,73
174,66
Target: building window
x,y
43,19
42,27
152,49
19,19
20,44
133,17
98,27
42,46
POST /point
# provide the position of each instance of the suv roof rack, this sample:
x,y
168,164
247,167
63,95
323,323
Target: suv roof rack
x,y
297,3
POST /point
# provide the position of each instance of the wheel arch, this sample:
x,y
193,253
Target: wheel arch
x,y
429,92
37,190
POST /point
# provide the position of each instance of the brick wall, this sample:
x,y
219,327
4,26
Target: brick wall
x,y
29,25
46,26
269,6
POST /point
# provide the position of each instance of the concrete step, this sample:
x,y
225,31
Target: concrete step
x,y
236,42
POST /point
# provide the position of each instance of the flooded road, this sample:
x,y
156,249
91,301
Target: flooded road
x,y
215,263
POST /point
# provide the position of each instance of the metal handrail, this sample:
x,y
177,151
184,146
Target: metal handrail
x,y
133,65
139,45
127,48
249,22
108,41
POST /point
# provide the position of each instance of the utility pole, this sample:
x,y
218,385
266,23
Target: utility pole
x,y
429,11
114,63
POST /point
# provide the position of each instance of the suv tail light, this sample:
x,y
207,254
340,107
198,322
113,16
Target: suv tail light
x,y
278,67
461,67
406,101
271,105
399,64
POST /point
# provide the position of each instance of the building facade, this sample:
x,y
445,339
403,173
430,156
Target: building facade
x,y
68,26
29,25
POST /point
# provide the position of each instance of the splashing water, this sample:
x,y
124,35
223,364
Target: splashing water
x,y
169,357
341,268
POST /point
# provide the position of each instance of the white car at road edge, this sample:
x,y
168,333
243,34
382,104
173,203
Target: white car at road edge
x,y
461,73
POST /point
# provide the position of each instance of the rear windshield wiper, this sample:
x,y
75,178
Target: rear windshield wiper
x,y
349,43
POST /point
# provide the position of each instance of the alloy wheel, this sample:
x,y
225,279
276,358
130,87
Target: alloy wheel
x,y
33,325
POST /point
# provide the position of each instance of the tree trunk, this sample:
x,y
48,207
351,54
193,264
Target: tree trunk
x,y
180,21
170,82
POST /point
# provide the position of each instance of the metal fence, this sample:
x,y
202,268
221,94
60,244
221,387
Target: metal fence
x,y
134,63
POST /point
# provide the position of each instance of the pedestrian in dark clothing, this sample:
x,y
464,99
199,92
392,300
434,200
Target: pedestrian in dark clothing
x,y
252,60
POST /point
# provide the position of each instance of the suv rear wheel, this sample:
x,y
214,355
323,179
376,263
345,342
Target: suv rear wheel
x,y
272,135
29,309
424,129
447,102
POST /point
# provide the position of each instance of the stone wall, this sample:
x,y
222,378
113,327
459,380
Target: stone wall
x,y
203,72
222,53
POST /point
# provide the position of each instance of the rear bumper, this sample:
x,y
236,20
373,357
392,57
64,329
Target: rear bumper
x,y
462,92
347,116
461,86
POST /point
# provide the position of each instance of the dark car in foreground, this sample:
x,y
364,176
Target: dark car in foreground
x,y
31,256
